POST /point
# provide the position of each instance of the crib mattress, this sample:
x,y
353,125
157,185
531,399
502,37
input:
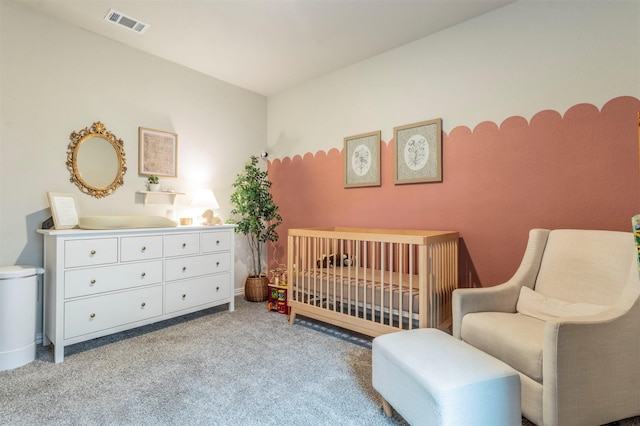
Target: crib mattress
x,y
362,286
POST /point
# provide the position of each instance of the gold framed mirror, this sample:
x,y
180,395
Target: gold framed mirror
x,y
96,160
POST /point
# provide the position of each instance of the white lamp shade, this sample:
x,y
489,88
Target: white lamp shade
x,y
205,198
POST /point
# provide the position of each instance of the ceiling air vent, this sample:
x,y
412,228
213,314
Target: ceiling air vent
x,y
126,21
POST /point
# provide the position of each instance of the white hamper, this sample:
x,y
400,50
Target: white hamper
x,y
432,378
18,299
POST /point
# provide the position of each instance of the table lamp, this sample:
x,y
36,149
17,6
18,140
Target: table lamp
x,y
205,198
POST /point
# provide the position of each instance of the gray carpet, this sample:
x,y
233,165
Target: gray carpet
x,y
247,367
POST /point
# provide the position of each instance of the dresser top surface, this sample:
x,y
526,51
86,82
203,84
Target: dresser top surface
x,y
133,231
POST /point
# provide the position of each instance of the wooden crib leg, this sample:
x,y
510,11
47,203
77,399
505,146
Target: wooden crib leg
x,y
292,317
387,408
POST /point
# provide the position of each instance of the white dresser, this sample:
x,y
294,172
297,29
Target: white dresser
x,y
106,281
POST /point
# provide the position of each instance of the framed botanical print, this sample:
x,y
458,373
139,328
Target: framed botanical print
x,y
157,153
418,153
362,160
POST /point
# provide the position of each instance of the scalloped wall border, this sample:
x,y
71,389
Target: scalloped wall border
x,y
573,170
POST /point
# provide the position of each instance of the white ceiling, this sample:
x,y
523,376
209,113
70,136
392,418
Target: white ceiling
x,y
267,46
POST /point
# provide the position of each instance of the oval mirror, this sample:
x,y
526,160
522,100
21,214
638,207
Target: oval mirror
x,y
96,160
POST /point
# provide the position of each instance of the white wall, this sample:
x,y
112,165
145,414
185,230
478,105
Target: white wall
x,y
55,79
526,57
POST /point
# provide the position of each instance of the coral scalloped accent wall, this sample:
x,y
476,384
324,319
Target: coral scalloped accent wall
x,y
577,170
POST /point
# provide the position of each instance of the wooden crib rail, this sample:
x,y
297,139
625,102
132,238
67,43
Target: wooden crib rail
x,y
372,281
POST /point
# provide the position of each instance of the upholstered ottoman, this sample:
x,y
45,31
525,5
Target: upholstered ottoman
x,y
432,378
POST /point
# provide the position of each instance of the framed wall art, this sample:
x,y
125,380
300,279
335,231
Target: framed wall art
x,y
64,210
362,160
157,153
418,153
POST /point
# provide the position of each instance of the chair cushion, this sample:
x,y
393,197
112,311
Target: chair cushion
x,y
511,337
588,266
542,307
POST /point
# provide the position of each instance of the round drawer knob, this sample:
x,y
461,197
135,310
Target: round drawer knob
x,y
217,242
142,305
143,248
184,268
93,252
93,281
184,296
184,245
217,288
92,315
217,263
144,274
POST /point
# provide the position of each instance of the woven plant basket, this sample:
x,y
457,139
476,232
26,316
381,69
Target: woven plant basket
x,y
256,289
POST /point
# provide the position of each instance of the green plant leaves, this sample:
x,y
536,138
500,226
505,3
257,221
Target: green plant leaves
x,y
259,215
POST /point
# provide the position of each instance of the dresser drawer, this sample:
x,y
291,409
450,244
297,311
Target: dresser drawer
x,y
198,291
140,248
84,282
194,266
98,251
221,262
215,241
181,244
98,313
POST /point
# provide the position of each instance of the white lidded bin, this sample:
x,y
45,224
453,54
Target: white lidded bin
x,y
18,305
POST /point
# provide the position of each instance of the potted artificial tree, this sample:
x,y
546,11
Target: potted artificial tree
x,y
258,218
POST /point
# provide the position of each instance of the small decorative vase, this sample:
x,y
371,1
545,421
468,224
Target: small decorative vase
x,y
155,187
256,289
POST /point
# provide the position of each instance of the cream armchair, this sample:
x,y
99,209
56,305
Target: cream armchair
x,y
569,322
